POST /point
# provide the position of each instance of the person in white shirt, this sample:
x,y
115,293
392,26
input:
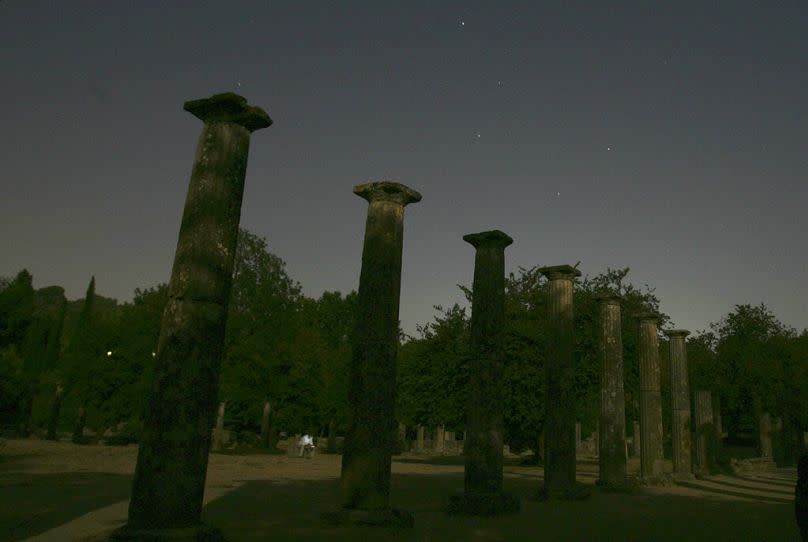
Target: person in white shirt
x,y
306,445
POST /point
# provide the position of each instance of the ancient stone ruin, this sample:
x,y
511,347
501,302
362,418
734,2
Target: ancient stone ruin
x,y
612,431
172,458
483,494
680,407
651,459
371,432
559,436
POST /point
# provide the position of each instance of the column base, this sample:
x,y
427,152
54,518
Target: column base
x,y
576,492
386,517
626,485
658,480
194,533
483,504
683,476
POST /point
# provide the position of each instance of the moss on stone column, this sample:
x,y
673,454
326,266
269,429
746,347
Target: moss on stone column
x,y
559,426
172,459
681,446
483,493
371,425
612,435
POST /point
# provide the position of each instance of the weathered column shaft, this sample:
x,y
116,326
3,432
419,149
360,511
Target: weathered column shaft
x,y
371,435
440,438
265,425
650,398
419,438
53,420
705,431
636,442
559,464
484,413
719,428
612,424
220,416
765,424
173,455
681,445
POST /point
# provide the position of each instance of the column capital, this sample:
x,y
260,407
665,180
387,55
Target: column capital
x,y
559,272
387,191
228,107
608,298
495,238
671,333
648,315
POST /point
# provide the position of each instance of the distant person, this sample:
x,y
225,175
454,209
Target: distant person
x,y
801,497
306,445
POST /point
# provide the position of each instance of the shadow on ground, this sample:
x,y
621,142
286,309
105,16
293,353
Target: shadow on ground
x,y
263,510
34,503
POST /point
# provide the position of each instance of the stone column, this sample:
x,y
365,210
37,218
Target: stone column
x,y
636,441
559,463
705,432
402,436
265,424
419,439
440,438
370,437
612,424
53,420
680,408
219,436
765,425
172,459
650,399
78,429
483,493
578,437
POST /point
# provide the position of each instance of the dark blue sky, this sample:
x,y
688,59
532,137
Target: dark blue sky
x,y
669,137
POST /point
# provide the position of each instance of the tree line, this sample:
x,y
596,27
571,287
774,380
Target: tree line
x,y
64,364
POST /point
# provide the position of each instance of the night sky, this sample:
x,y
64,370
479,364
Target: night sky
x,y
669,137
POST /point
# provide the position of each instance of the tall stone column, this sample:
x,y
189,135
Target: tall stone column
x,y
371,432
559,463
220,439
578,437
78,429
705,432
612,424
636,444
173,455
483,493
650,399
765,425
266,425
53,420
680,408
440,439
419,438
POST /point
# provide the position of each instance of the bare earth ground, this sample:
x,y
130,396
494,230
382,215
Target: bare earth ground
x,y
59,492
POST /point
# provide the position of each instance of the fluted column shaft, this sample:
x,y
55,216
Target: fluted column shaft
x,y
371,432
612,427
650,398
265,425
765,425
484,413
173,454
680,399
559,464
705,431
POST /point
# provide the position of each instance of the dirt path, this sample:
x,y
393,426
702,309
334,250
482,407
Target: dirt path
x,y
78,492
